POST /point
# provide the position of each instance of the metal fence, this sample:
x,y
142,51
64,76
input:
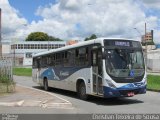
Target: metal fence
x,y
6,75
6,68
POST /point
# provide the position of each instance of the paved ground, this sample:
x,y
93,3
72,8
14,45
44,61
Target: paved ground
x,y
29,97
145,103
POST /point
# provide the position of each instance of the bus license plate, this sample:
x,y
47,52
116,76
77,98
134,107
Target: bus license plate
x,y
130,94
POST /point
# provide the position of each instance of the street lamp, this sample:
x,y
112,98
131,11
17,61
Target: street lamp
x,y
145,43
15,47
0,34
138,31
48,44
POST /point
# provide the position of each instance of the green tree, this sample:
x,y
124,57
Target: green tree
x,y
51,38
40,36
148,43
93,36
37,36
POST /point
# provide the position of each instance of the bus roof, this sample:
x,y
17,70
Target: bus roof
x,y
98,40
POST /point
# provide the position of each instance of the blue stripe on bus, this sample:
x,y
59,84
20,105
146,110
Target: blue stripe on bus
x,y
132,85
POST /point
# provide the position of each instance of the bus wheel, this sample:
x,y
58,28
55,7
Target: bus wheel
x,y
45,84
82,91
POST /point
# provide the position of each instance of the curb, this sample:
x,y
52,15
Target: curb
x,y
153,90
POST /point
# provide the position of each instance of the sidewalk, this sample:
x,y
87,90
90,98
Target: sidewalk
x,y
31,97
149,72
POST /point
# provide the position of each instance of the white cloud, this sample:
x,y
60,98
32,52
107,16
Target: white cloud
x,y
11,22
69,19
152,3
104,18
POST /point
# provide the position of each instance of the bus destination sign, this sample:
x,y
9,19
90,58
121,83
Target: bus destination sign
x,y
122,43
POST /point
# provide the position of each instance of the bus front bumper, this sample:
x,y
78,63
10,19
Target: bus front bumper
x,y
115,92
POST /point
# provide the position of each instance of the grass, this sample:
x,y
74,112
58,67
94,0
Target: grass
x,y
22,71
153,82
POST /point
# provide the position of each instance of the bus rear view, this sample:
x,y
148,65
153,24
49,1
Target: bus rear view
x,y
124,74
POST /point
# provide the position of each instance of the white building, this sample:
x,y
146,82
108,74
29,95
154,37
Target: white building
x,y
153,59
22,51
6,49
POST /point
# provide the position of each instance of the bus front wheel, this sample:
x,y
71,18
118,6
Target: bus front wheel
x,y
82,91
45,84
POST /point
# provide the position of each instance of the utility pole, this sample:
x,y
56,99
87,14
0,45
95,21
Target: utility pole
x,y
0,34
146,44
14,62
48,44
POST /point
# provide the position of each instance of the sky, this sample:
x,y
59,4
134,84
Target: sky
x,y
78,19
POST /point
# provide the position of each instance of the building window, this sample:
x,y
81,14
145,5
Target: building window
x,y
32,46
25,46
36,46
39,46
45,46
28,46
29,55
13,47
18,46
21,46
56,46
50,46
42,46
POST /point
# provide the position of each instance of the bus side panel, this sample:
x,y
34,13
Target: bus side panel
x,y
37,75
83,74
66,78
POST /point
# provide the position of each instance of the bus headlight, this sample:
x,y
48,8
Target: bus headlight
x,y
110,84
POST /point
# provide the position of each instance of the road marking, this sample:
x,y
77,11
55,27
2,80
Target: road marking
x,y
10,104
46,93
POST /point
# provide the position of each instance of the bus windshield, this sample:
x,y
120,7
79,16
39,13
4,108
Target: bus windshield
x,y
126,62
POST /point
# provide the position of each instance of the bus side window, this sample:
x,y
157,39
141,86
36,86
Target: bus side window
x,y
82,56
70,57
44,61
38,63
58,59
49,60
65,60
76,57
53,59
87,56
34,63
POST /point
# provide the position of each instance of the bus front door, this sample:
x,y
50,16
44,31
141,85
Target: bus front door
x,y
97,72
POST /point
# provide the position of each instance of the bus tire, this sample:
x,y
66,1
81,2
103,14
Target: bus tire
x,y
45,84
82,91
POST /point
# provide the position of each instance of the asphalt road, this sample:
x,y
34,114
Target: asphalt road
x,y
145,103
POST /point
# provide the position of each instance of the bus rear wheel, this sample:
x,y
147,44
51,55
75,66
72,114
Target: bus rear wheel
x,y
82,91
45,84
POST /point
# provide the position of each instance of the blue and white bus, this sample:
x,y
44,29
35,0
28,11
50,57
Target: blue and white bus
x,y
105,67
